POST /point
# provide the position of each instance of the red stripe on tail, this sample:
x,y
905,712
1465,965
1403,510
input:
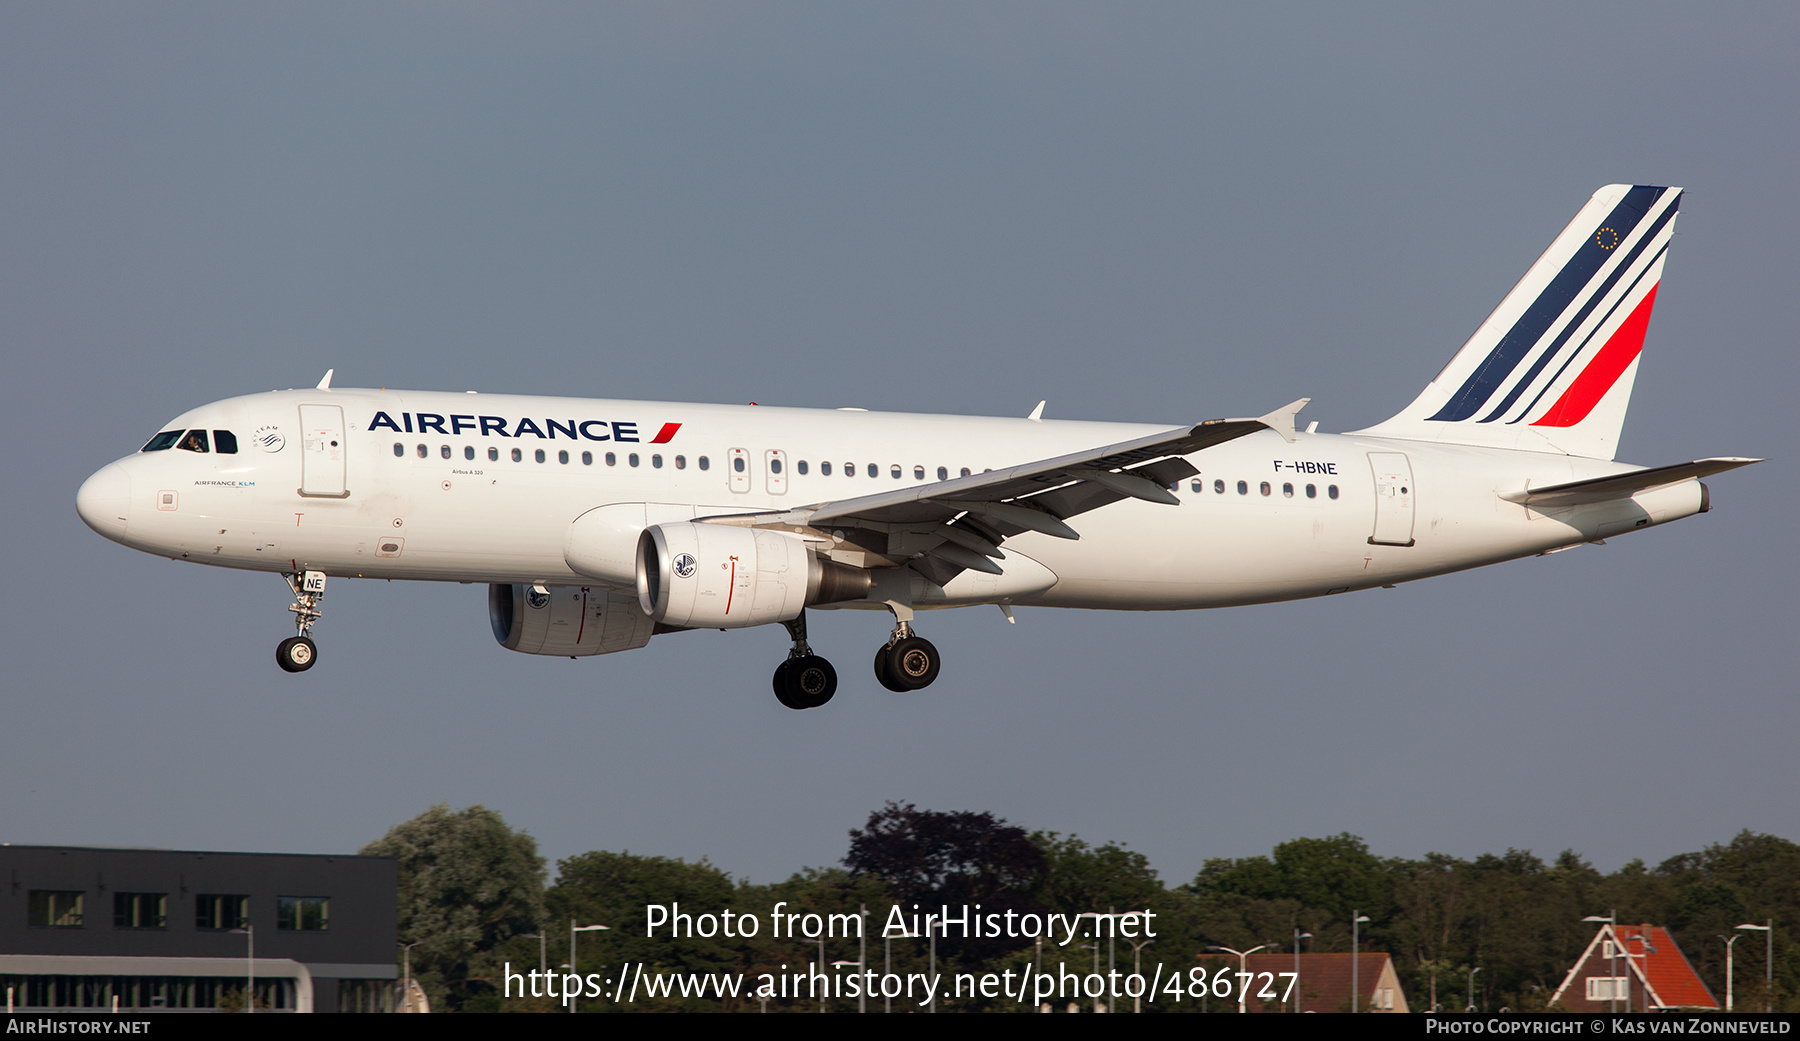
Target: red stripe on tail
x,y
1603,371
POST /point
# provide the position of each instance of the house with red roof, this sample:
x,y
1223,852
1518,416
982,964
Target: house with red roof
x,y
1633,968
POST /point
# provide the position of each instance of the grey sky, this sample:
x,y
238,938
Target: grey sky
x,y
1144,212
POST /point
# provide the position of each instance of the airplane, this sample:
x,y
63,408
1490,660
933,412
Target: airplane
x,y
598,524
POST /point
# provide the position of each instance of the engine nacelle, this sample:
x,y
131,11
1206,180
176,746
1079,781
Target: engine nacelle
x,y
716,576
573,621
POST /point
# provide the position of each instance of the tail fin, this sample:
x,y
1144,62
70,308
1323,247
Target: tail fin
x,y
1551,369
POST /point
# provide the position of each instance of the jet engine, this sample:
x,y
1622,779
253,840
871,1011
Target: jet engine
x,y
566,620
716,576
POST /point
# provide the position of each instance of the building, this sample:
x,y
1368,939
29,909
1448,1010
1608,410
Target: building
x,y
1634,968
148,930
1323,985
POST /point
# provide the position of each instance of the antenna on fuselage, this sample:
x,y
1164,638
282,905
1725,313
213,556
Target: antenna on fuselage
x,y
1037,414
325,384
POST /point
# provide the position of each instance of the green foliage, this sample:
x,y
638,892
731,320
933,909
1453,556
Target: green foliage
x,y
467,884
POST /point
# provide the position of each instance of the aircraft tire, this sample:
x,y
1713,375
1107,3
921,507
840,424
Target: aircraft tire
x,y
813,680
913,663
296,654
882,674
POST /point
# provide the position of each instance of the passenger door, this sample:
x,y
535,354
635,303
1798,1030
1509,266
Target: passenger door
x,y
322,452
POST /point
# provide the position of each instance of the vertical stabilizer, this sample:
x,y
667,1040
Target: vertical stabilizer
x,y
1551,369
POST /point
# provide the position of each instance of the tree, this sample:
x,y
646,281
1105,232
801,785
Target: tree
x,y
467,883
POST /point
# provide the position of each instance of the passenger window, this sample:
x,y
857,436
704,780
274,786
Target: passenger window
x,y
421,452
774,465
1312,491
493,455
1287,490
468,451
875,470
399,450
162,442
800,465
562,456
587,459
632,459
444,451
1243,487
825,469
1265,487
1331,490
611,459
195,441
965,471
656,461
517,455
895,471
849,469
1196,485
224,442
681,463
1219,486
540,455
918,473
943,473
705,463
737,464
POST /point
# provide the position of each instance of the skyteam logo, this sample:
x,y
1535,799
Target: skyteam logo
x,y
269,439
684,565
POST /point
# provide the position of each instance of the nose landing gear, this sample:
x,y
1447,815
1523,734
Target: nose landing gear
x,y
804,680
297,653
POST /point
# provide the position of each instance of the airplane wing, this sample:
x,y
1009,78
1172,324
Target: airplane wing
x,y
944,528
1621,486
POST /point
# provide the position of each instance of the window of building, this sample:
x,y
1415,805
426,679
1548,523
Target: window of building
x,y
224,442
1606,988
303,913
140,910
56,908
221,911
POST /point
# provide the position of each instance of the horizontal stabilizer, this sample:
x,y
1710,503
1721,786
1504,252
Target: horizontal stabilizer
x,y
1622,486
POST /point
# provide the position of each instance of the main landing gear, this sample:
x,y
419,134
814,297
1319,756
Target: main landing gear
x,y
906,662
297,653
804,680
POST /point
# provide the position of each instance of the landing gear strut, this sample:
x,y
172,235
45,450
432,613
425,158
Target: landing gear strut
x,y
906,662
297,653
804,680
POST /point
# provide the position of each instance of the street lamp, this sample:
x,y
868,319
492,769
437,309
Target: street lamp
x,y
406,987
1298,936
1356,920
1612,950
1733,938
1472,973
575,1000
1768,932
1241,955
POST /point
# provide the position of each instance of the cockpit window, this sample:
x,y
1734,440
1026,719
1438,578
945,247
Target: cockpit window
x,y
224,442
163,441
195,441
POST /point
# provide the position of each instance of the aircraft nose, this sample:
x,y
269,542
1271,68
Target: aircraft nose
x,y
104,500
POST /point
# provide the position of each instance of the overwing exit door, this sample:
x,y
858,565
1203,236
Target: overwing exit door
x,y
322,451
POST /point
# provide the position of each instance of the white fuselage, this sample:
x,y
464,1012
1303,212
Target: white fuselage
x,y
450,503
